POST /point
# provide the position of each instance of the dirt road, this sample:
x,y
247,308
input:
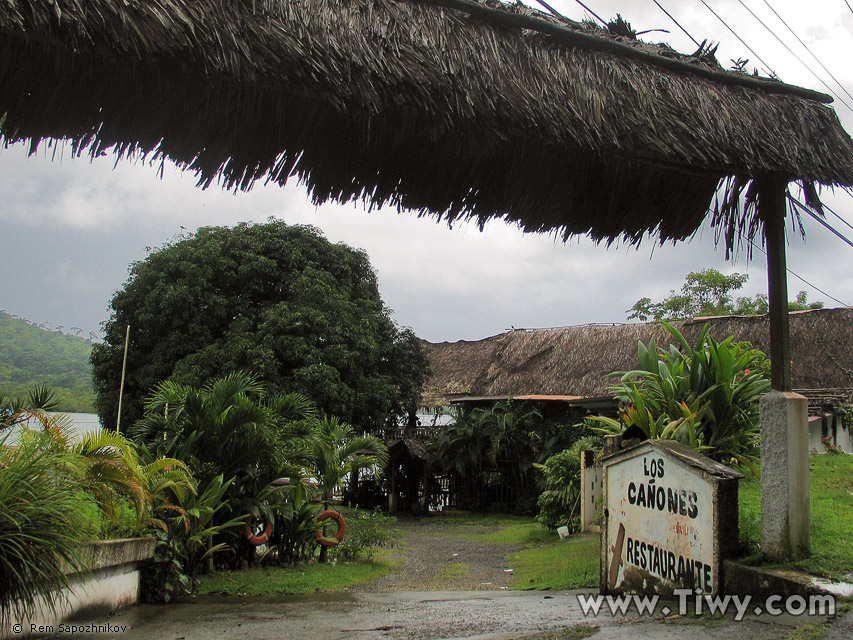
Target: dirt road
x,y
444,556
433,595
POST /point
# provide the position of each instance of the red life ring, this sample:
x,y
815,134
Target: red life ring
x,y
258,540
342,528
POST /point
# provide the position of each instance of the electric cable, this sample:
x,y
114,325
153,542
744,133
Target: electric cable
x,y
820,220
552,10
676,23
791,51
806,47
827,207
593,13
802,279
726,25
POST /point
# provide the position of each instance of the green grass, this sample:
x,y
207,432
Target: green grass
x,y
831,479
564,564
497,528
577,632
546,563
454,570
293,580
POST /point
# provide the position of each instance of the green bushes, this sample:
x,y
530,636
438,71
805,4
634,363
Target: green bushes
x,y
231,429
367,531
185,541
56,494
42,520
492,451
705,396
559,503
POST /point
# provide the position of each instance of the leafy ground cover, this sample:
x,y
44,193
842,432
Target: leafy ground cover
x,y
831,478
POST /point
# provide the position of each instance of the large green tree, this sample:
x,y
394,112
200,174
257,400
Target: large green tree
x,y
277,300
710,293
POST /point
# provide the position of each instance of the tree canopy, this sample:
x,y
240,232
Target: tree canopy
x,y
281,301
709,293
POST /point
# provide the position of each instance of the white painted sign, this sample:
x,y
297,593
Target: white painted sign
x,y
661,522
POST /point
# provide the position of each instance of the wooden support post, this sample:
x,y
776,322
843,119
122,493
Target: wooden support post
x,y
772,212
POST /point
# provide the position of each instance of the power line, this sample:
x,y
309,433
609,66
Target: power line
x,y
806,47
593,13
825,206
802,279
848,6
677,23
552,10
791,51
823,222
833,212
725,24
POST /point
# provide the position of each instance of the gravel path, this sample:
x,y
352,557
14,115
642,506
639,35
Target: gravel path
x,y
444,557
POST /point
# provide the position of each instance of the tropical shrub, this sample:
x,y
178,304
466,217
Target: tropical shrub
x,y
491,451
32,405
186,540
42,522
705,396
56,493
367,531
335,451
227,427
559,504
193,524
293,511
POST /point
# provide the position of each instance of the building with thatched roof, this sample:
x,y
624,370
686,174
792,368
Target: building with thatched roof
x,y
571,364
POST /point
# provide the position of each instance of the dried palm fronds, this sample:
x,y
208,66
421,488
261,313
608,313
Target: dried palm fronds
x,y
452,108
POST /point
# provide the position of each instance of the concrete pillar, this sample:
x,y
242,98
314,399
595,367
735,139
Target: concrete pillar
x,y
592,477
784,475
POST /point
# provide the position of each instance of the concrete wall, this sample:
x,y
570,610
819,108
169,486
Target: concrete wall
x,y
840,435
112,583
592,487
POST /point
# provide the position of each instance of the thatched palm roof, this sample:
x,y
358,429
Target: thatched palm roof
x,y
449,107
575,361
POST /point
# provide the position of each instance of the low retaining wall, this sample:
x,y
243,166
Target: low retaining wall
x,y
111,583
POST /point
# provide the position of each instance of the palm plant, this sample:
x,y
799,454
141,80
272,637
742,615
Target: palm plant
x,y
336,451
227,427
193,524
109,469
34,405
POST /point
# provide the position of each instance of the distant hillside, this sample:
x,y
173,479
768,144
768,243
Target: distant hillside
x,y
30,355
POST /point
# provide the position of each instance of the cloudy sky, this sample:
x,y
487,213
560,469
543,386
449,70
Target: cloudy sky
x,y
70,226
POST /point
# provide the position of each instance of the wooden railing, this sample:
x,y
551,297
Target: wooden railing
x,y
424,434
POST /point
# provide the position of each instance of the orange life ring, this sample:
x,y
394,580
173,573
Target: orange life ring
x,y
258,540
342,528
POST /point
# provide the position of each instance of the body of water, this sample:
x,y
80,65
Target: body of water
x,y
82,424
